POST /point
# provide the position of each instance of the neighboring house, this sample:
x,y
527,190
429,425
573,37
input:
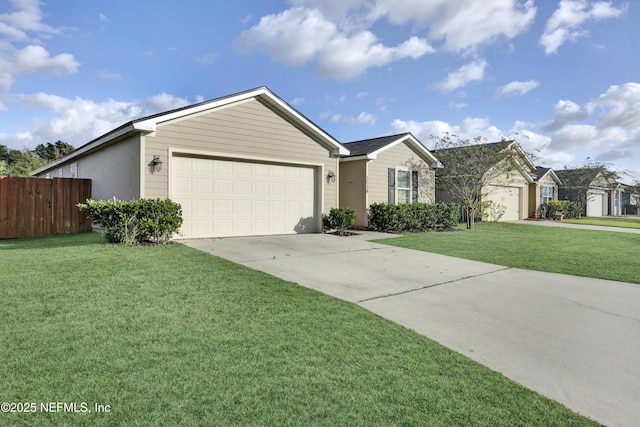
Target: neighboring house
x,y
543,189
393,169
244,164
630,199
603,196
510,185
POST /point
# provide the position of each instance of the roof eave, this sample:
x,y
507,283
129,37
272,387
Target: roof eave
x,y
123,131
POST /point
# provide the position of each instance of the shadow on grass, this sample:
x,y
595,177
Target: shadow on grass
x,y
54,241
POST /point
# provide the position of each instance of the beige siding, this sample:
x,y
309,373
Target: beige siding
x,y
399,156
243,129
114,170
353,189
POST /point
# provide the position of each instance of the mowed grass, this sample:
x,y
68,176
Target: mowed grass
x,y
623,222
588,253
172,336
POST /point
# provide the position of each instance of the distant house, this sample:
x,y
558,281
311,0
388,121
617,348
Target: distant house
x,y
393,169
602,196
630,200
509,188
543,189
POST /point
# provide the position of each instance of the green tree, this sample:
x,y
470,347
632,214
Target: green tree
x,y
51,152
470,166
22,163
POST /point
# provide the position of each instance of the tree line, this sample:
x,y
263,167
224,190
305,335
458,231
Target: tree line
x,y
22,162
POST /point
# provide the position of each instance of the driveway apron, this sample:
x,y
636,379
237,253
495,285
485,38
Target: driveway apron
x,y
573,339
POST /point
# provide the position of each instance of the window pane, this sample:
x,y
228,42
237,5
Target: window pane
x,y
404,179
404,196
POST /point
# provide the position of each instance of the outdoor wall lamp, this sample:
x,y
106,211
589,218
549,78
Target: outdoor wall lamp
x,y
156,163
331,176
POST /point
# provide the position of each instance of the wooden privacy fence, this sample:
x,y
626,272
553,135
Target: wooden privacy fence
x,y
32,207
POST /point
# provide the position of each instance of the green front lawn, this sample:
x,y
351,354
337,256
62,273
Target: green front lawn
x,y
173,336
588,253
606,221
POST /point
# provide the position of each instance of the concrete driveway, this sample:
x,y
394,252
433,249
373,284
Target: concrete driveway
x,y
573,339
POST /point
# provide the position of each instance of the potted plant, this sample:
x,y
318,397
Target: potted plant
x,y
555,209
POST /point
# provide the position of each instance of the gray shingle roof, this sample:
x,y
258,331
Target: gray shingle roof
x,y
368,146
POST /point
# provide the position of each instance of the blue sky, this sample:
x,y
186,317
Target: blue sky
x,y
561,77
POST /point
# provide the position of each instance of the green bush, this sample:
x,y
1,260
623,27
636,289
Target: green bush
x,y
341,219
137,221
563,207
413,216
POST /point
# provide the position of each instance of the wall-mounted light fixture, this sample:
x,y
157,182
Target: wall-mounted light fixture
x,y
156,163
331,176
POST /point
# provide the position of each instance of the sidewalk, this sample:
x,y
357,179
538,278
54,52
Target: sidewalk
x,y
549,223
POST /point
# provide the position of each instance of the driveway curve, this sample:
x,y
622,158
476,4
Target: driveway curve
x,y
573,339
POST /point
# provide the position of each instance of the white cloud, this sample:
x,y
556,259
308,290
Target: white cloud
x,y
25,26
363,118
103,18
34,59
462,24
620,106
206,59
293,37
27,18
79,120
517,88
300,35
565,25
473,71
565,112
470,128
297,101
458,105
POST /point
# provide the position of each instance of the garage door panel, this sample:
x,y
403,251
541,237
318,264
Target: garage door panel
x,y
233,198
510,198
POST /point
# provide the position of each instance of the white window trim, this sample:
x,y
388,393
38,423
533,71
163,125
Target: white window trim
x,y
73,170
553,196
398,188
60,173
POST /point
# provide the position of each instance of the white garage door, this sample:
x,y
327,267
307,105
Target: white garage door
x,y
508,197
595,204
222,198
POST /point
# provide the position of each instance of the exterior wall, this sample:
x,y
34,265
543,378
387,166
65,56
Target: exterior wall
x,y
403,156
114,170
353,189
534,192
247,128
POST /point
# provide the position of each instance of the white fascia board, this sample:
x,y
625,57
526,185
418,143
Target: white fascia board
x,y
124,130
362,157
421,149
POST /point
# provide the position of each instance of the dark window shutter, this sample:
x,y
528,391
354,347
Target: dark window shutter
x,y
392,185
414,186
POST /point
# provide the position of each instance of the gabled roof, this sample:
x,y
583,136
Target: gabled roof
x,y
542,172
583,177
148,124
523,162
370,148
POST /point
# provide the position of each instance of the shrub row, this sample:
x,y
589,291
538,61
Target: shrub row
x,y
137,221
413,216
561,207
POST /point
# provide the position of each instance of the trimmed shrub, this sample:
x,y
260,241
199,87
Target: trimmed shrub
x,y
563,207
413,216
341,219
137,221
